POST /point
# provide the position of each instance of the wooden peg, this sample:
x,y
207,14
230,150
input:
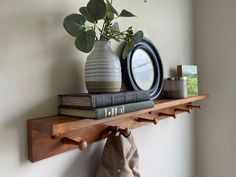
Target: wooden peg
x,y
194,106
125,132
81,143
55,136
183,110
167,114
115,129
154,121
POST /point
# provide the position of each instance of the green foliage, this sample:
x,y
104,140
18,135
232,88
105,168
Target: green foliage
x,y
111,8
75,25
85,41
96,9
192,86
134,39
126,13
84,12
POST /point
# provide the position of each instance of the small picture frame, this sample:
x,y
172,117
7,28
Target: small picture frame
x,y
189,71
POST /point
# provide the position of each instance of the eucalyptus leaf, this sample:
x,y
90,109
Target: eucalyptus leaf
x,y
126,13
85,41
84,12
111,8
73,24
128,48
115,27
109,14
138,37
96,9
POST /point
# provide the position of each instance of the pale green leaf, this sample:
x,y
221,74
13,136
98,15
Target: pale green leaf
x,y
85,41
73,24
84,12
138,37
111,8
96,9
128,48
126,13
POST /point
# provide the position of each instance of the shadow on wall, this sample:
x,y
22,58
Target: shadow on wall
x,y
86,163
65,70
68,68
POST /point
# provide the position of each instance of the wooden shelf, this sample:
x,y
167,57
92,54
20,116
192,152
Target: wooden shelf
x,y
45,135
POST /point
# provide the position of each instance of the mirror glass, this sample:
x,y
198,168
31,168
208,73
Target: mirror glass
x,y
142,69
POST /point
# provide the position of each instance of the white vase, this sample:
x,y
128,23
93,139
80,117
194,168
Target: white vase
x,y
103,69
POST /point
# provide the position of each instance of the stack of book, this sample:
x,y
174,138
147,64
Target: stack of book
x,y
99,106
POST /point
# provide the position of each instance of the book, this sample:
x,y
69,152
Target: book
x,y
189,71
100,113
92,101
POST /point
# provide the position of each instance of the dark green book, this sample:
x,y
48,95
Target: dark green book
x,y
105,112
92,101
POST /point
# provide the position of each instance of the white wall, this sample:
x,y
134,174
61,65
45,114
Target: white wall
x,y
215,44
38,61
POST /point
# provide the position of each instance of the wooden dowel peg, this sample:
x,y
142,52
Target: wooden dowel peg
x,y
125,132
183,110
167,114
115,129
81,143
154,121
194,106
55,136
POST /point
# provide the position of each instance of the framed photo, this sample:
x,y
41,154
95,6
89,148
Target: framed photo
x,y
189,71
143,70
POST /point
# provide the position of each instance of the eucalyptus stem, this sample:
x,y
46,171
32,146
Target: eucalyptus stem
x,y
94,26
99,29
103,26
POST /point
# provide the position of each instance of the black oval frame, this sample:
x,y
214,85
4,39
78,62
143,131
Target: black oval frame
x,y
127,73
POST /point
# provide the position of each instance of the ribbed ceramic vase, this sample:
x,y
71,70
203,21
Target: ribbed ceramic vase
x,y
103,69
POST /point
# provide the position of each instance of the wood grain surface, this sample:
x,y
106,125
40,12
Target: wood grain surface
x,y
45,134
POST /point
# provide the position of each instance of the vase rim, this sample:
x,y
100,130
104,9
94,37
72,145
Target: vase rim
x,y
103,41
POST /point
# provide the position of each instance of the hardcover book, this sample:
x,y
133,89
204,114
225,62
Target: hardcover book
x,y
101,113
92,101
189,71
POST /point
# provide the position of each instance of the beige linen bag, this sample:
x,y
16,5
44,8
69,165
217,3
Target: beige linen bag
x,y
120,158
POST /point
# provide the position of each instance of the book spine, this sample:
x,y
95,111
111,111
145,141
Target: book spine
x,y
99,101
74,101
122,109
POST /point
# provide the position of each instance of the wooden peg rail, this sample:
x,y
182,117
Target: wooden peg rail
x,y
53,135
